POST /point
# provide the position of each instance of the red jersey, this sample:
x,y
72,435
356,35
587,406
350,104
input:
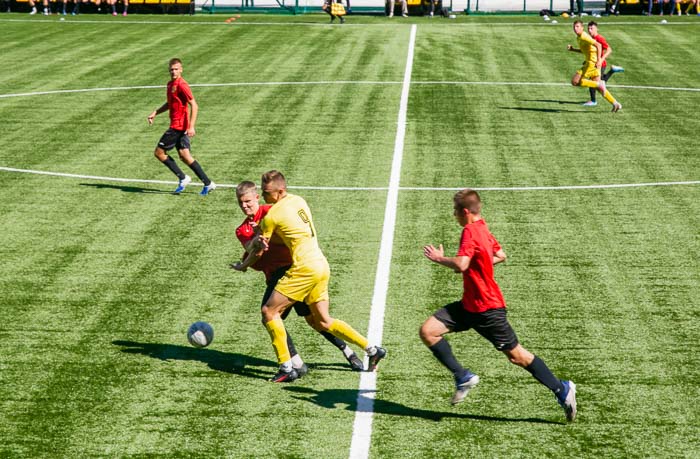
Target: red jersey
x,y
179,94
276,256
601,39
481,292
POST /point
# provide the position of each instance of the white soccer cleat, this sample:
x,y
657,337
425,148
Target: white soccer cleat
x,y
463,386
569,402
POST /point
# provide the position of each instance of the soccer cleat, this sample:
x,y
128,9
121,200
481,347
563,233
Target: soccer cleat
x,y
302,370
590,103
617,69
285,376
182,184
374,359
208,189
463,385
114,13
617,106
568,401
404,15
33,11
124,13
355,362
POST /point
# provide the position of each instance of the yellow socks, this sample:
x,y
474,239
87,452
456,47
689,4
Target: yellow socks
x,y
609,97
589,83
345,332
279,339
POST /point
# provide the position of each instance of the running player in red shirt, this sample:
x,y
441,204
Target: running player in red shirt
x,y
274,263
482,307
607,50
181,129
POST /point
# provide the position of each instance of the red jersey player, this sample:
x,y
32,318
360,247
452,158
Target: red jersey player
x,y
607,50
274,263
179,96
482,307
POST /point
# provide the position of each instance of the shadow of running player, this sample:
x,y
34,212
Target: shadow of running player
x,y
226,362
337,398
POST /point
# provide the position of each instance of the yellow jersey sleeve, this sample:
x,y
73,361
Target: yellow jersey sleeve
x,y
588,48
291,220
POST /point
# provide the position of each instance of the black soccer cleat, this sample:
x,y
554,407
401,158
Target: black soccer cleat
x,y
285,376
302,370
355,362
374,359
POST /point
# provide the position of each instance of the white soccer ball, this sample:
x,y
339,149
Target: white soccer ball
x,y
200,334
664,21
554,22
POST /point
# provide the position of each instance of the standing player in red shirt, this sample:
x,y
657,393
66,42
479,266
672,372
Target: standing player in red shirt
x,y
274,263
482,307
181,129
607,50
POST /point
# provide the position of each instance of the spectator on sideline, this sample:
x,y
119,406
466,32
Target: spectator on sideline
x,y
45,3
404,8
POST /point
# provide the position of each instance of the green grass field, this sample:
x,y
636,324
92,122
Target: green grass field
x,y
100,279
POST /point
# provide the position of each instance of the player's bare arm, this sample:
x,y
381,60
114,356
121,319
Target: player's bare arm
x,y
194,109
572,49
599,49
437,255
499,257
157,112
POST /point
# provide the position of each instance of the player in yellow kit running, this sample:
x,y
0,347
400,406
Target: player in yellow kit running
x,y
306,280
588,76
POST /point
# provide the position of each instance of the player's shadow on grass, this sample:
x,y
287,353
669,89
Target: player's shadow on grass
x,y
124,188
542,110
216,360
552,101
336,398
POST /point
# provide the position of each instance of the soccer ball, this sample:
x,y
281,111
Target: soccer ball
x,y
200,334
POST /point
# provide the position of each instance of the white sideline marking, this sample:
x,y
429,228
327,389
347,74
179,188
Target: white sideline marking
x,y
362,428
366,188
360,82
651,22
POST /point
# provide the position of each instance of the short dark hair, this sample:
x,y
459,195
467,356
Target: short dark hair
x,y
592,23
175,60
468,199
246,187
276,177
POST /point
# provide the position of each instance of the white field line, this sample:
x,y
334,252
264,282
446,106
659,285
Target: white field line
x,y
339,82
74,21
362,428
366,188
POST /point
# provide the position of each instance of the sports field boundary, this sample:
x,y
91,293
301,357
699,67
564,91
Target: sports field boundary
x,y
362,427
351,188
340,82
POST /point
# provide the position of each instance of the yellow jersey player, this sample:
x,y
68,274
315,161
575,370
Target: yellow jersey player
x,y
306,280
588,76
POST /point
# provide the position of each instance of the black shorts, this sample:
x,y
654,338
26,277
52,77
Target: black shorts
x,y
174,139
492,324
302,309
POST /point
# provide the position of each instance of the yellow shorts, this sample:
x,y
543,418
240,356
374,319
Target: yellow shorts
x,y
589,71
307,283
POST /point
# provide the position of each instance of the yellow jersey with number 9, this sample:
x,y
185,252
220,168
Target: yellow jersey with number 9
x,y
290,219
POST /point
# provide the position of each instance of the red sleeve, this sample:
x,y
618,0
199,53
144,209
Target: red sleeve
x,y
600,39
466,244
186,91
494,243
